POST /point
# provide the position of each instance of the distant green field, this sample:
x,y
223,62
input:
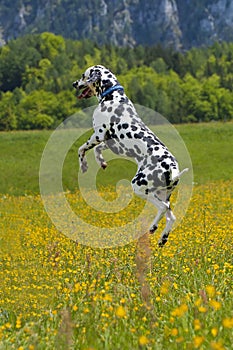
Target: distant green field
x,y
210,147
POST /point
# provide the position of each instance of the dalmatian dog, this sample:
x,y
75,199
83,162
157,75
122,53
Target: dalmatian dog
x,y
118,127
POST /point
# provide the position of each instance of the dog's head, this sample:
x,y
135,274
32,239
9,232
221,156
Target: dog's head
x,y
94,82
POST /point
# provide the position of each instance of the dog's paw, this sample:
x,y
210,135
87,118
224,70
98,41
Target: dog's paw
x,y
104,165
163,240
153,228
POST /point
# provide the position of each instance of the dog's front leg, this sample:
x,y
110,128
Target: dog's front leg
x,y
98,154
94,140
82,159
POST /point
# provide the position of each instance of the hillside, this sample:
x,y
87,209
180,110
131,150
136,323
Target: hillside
x,y
178,23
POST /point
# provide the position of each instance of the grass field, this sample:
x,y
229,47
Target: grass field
x,y
58,294
210,147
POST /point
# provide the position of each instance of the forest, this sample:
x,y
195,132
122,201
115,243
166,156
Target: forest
x,y
37,71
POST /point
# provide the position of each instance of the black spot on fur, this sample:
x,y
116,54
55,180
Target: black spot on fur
x,y
125,125
165,165
103,108
137,149
119,127
119,110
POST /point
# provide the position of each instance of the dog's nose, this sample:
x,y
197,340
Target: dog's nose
x,y
75,84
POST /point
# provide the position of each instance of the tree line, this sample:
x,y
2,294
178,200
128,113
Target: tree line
x,y
37,71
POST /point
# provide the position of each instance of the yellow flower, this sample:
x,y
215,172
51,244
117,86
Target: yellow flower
x,y
77,287
174,332
108,297
214,331
143,340
210,290
198,302
202,309
120,311
164,288
18,323
217,346
228,322
197,324
198,340
216,305
75,308
180,311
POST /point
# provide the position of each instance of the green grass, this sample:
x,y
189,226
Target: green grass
x,y
210,147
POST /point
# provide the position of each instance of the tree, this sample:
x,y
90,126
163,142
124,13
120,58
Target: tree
x,y
8,120
37,110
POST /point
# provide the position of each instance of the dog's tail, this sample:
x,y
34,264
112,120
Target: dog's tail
x,y
177,177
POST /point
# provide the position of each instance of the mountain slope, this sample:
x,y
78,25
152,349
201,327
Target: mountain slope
x,y
177,23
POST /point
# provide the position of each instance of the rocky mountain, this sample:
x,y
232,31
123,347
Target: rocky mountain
x,y
178,23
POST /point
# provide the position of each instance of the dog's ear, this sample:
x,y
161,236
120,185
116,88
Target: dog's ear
x,y
94,77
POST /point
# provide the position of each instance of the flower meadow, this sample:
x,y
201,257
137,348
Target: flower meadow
x,y
58,294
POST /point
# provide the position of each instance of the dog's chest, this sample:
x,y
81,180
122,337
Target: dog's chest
x,y
126,134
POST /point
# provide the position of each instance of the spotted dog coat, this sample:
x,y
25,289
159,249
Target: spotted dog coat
x,y
118,127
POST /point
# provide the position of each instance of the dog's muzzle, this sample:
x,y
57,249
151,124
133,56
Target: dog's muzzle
x,y
83,90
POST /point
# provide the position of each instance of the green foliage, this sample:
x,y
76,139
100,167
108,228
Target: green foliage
x,y
37,71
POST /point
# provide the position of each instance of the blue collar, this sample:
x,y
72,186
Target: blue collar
x,y
111,89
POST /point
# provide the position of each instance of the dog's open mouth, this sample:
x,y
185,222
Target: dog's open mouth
x,y
85,93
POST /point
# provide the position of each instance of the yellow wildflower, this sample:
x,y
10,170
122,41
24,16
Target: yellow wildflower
x,y
75,308
197,324
214,331
216,305
217,346
174,332
164,288
228,322
18,323
180,311
108,297
143,340
197,341
120,311
210,290
202,309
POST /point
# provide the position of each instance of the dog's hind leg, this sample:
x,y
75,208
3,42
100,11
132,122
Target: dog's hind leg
x,y
98,154
170,219
161,205
162,210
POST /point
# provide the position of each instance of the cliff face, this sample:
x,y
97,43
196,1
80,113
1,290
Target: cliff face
x,y
177,23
